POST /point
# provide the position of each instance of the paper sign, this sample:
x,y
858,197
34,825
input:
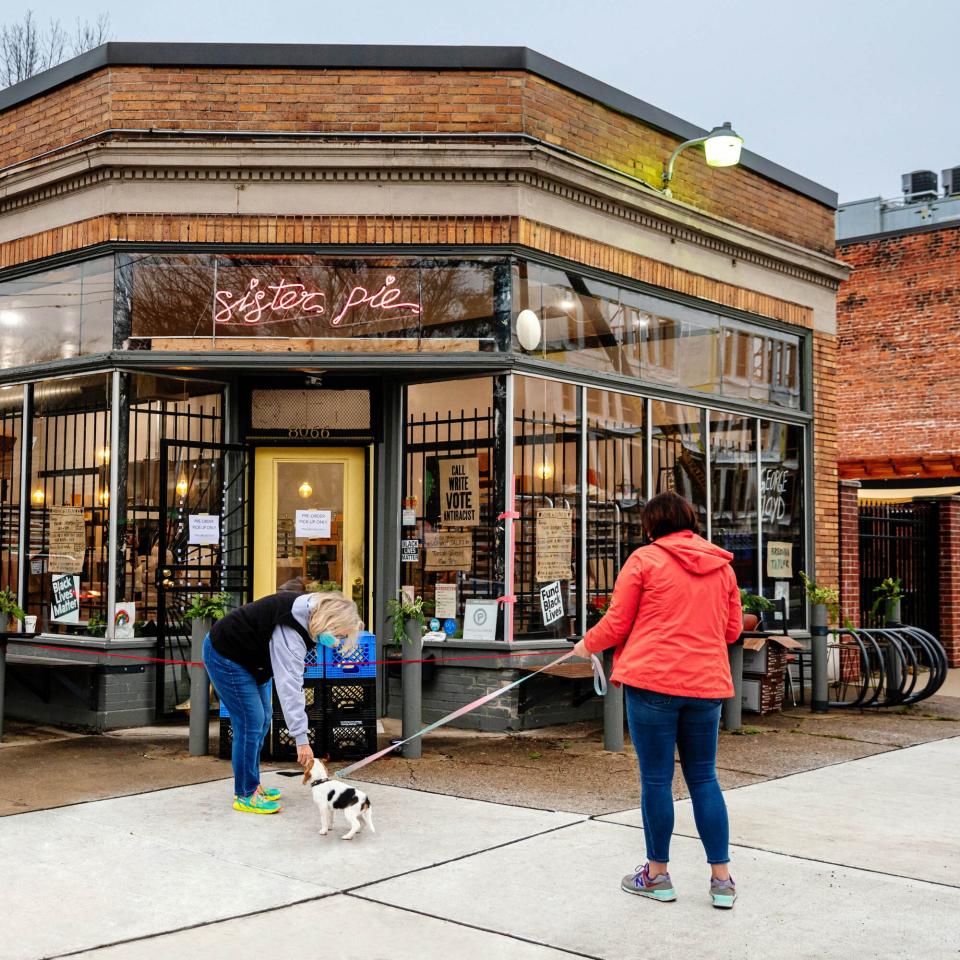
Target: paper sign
x,y
67,539
123,619
409,551
460,492
204,529
408,593
779,559
453,552
551,603
65,599
313,524
480,620
781,591
445,597
554,535
409,518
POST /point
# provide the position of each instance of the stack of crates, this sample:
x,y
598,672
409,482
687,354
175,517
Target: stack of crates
x,y
226,736
350,700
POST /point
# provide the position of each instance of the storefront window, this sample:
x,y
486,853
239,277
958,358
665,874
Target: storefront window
x,y
57,314
761,365
782,510
678,454
546,535
679,346
69,504
449,543
733,470
616,490
11,426
305,303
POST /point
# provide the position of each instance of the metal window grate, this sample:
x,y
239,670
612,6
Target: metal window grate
x,y
311,410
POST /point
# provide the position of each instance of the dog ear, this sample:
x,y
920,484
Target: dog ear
x,y
307,774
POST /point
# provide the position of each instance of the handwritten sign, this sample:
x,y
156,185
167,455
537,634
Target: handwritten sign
x,y
554,535
454,551
68,539
773,486
445,598
204,529
313,524
124,617
460,492
551,603
779,559
65,599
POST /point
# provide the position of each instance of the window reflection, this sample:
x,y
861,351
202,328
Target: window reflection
x,y
678,456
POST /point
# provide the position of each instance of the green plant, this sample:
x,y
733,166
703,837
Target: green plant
x,y
402,610
752,603
97,625
212,606
828,596
323,586
9,605
889,590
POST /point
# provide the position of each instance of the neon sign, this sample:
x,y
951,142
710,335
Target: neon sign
x,y
268,303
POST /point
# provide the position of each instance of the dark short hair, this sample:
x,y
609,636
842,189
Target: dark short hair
x,y
667,513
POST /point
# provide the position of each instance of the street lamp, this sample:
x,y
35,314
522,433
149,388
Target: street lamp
x,y
721,146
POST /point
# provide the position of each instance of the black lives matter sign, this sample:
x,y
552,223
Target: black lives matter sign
x,y
460,492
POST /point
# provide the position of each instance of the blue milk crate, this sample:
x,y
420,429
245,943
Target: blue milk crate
x,y
358,663
313,665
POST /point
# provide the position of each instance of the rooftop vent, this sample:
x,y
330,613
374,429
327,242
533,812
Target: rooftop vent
x,y
919,186
950,179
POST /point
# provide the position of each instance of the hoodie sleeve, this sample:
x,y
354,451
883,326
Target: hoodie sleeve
x,y
735,618
287,651
616,624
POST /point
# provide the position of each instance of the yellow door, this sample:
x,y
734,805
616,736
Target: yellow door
x,y
310,509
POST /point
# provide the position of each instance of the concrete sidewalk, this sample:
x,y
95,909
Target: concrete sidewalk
x,y
861,859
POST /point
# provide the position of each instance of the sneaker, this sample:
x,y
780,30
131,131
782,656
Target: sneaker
x,y
642,884
723,893
256,803
270,793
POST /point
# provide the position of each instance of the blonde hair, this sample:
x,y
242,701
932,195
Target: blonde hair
x,y
336,614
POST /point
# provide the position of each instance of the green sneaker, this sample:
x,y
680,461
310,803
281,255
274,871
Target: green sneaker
x,y
256,803
270,793
723,893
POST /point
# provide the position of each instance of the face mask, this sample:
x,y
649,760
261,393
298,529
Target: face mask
x,y
327,640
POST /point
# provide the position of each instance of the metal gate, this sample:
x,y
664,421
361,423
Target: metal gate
x,y
901,540
198,479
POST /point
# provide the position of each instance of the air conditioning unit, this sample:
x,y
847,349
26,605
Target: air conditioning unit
x,y
919,185
950,179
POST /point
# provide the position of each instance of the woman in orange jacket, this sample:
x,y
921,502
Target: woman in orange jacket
x,y
675,607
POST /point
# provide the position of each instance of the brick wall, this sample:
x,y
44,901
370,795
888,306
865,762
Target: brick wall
x,y
827,530
849,519
401,102
950,578
899,339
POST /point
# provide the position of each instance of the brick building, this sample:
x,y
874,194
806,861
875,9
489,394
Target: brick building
x,y
898,408
305,290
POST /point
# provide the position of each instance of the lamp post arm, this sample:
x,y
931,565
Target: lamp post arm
x,y
668,172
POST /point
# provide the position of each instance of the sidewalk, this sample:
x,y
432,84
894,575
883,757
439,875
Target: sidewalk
x,y
860,859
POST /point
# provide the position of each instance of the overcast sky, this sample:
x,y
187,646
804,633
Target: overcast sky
x,y
850,93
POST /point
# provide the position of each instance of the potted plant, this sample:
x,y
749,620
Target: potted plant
x,y
97,625
409,623
825,599
754,607
9,608
203,610
409,618
887,602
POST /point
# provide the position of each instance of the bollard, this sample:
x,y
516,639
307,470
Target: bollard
x,y
612,709
819,698
411,679
732,709
199,692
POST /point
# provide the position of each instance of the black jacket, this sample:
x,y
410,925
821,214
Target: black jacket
x,y
243,635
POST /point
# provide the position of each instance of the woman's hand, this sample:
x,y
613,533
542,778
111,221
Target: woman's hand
x,y
580,650
305,755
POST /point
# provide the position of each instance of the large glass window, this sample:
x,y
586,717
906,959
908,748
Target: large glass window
x,y
616,490
733,472
761,365
449,533
57,314
547,534
678,454
11,426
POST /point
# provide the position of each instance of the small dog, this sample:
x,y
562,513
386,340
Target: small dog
x,y
333,795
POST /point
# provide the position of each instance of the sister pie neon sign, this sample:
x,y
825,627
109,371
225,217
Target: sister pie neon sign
x,y
285,299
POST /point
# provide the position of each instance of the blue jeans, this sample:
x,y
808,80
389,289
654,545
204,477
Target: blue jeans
x,y
249,706
658,723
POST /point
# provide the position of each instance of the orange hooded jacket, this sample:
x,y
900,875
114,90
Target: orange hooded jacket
x,y
675,607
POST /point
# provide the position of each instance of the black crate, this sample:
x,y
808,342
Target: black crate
x,y
350,700
283,745
226,742
351,739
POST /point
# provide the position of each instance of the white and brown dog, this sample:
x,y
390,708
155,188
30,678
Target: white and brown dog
x,y
332,795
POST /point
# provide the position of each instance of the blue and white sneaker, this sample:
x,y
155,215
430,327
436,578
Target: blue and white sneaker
x,y
723,893
643,885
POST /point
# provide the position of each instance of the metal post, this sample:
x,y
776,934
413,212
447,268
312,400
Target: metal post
x,y
612,710
199,692
3,677
732,709
819,702
411,676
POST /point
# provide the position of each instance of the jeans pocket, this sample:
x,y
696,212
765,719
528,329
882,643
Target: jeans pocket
x,y
654,698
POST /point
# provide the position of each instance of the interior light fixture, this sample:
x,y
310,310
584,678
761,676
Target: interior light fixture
x,y
182,485
37,497
545,470
722,146
305,490
104,454
566,301
529,330
104,497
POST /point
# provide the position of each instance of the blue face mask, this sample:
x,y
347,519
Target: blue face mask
x,y
327,640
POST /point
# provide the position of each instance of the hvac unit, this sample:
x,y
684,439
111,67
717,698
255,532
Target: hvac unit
x,y
950,179
919,185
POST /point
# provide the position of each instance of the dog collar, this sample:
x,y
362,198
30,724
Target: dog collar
x,y
316,783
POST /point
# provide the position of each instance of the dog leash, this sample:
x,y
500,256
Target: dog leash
x,y
599,685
